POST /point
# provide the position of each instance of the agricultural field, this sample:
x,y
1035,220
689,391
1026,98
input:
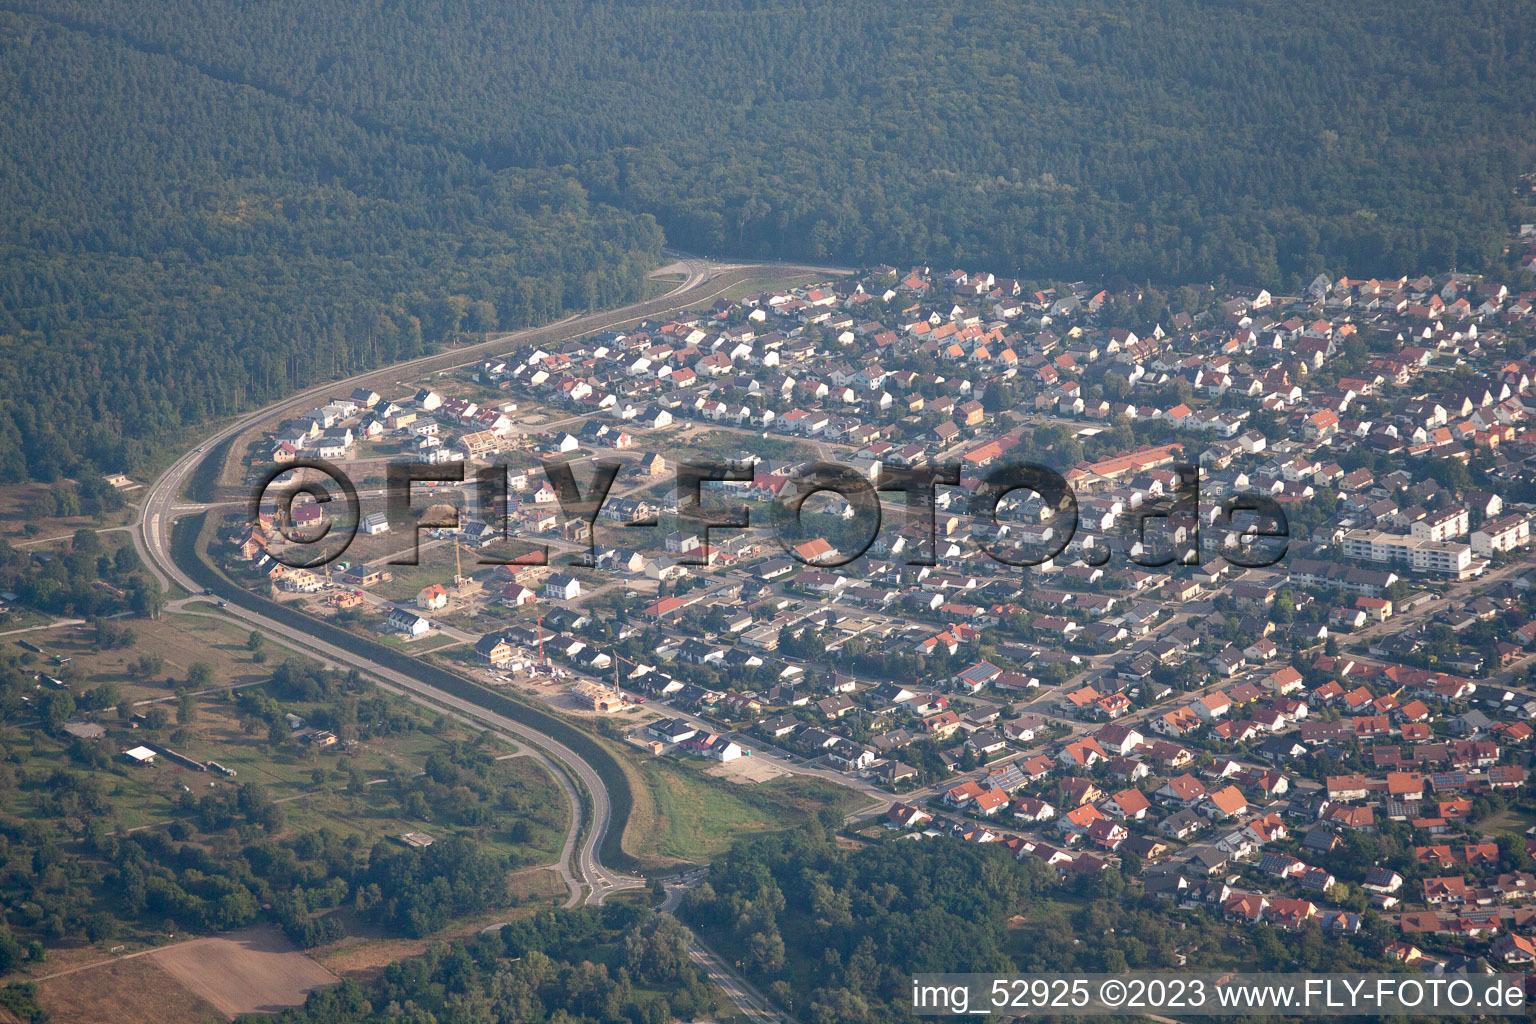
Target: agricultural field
x,y
135,990
253,970
249,971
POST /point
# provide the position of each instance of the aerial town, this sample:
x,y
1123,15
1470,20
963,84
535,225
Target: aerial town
x,y
1345,727
819,512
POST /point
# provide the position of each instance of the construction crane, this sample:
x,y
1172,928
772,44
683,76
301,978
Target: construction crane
x,y
616,688
460,581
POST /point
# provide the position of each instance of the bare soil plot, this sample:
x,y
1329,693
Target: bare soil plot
x,y
130,991
249,971
746,770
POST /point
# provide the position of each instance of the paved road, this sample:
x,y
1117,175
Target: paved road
x,y
742,993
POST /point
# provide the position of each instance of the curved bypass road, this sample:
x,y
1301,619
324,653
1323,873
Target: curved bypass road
x,y
157,514
566,766
578,867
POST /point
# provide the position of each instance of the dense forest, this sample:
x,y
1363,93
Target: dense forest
x,y
835,935
178,247
1197,137
208,203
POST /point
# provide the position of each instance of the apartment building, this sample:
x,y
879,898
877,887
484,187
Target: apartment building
x,y
1441,525
1421,554
1504,534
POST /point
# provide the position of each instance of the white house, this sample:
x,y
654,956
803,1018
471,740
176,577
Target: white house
x,y
561,587
403,620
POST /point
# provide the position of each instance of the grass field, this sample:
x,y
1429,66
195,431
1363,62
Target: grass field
x,y
364,952
180,640
1508,822
659,284
723,442
312,785
24,504
687,816
783,283
17,618
350,791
